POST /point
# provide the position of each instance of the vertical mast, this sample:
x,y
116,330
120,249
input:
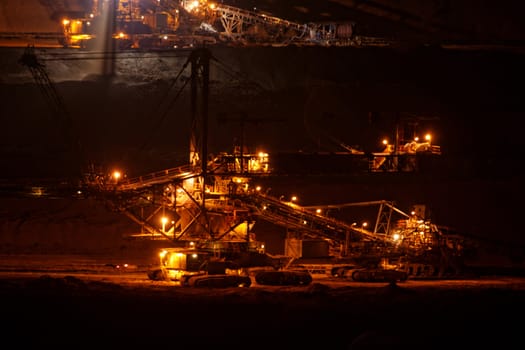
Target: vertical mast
x,y
200,69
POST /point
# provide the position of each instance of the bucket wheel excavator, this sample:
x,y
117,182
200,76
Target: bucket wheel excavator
x,y
205,210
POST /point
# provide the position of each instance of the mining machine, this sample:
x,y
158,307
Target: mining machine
x,y
168,24
206,210
247,27
169,205
210,205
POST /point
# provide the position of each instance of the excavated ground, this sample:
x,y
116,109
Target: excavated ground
x,y
66,298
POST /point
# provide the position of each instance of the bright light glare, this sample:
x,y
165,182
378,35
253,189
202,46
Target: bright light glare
x,y
116,175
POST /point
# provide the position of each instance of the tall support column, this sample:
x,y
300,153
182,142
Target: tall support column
x,y
200,70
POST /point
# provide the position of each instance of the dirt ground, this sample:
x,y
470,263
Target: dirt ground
x,y
60,304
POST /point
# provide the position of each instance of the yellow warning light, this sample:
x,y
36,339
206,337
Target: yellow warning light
x,y
164,221
116,175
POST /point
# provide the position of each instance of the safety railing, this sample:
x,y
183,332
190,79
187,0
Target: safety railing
x,y
159,177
